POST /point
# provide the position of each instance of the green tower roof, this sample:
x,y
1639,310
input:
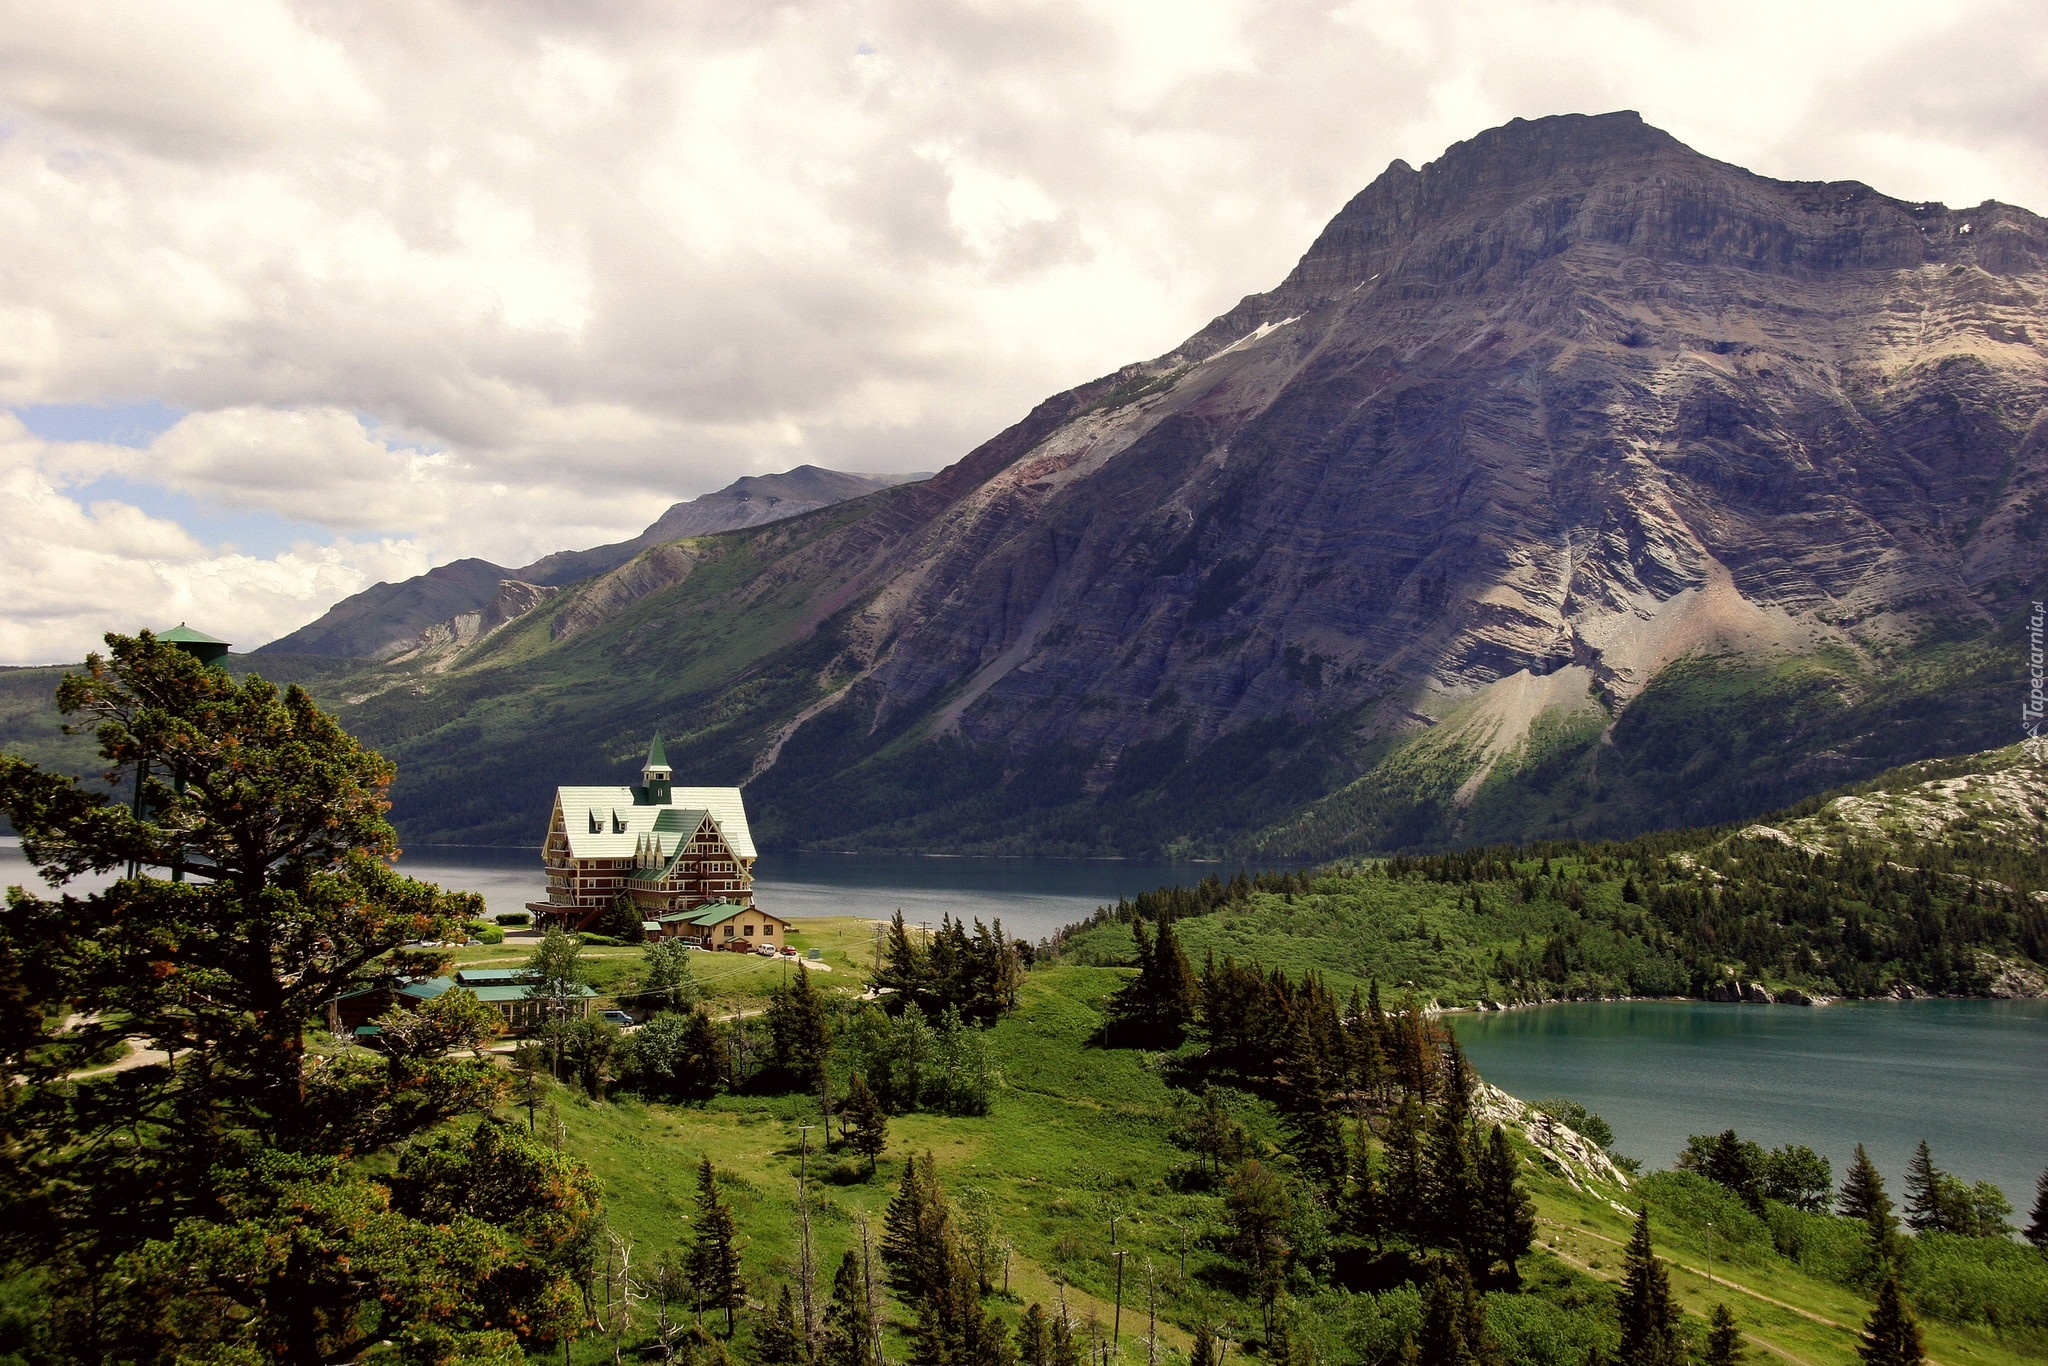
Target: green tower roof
x,y
181,634
657,757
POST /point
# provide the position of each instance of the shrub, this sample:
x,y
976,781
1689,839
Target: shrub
x,y
603,940
486,932
1683,1203
1993,1281
514,918
1825,1245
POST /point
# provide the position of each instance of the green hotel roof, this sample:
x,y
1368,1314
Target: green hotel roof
x,y
657,757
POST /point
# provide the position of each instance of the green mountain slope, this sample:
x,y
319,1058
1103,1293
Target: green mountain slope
x,y
1930,879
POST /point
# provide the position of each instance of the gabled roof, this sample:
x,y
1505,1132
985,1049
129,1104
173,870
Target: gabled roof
x,y
578,803
716,914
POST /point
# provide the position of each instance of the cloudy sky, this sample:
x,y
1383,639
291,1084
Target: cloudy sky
x,y
299,296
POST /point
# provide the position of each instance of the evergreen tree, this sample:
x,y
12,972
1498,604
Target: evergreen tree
x,y
906,970
713,1265
1864,1199
1034,1337
849,1328
1507,1217
1258,1210
2037,1222
1924,1191
1724,1339
1451,1190
1649,1320
1890,1336
862,1122
917,1231
1203,1351
1407,1179
258,888
1155,1008
1453,1328
777,1339
798,1034
1364,1210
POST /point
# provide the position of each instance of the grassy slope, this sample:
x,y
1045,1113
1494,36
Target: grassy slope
x,y
1079,1133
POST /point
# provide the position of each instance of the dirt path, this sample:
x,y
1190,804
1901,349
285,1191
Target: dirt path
x,y
1715,1280
1605,1275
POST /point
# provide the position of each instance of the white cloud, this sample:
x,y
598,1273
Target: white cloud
x,y
573,262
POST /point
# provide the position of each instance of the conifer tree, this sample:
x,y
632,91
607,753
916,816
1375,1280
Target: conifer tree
x,y
1034,1336
849,1328
1890,1336
1507,1217
1451,1191
917,1232
2037,1221
713,1265
1364,1209
1257,1210
1202,1352
1923,1191
862,1122
906,969
1864,1199
799,1034
1215,1133
1453,1328
1724,1339
1406,1178
1649,1320
777,1340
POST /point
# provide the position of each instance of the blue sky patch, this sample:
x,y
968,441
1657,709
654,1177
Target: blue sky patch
x,y
117,424
252,531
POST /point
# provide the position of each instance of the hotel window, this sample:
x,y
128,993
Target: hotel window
x,y
750,931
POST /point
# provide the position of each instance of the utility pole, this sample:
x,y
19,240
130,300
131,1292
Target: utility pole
x,y
1710,1252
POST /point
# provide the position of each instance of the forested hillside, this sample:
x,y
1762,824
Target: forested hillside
x,y
1933,878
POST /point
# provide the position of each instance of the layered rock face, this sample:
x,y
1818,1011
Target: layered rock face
x,y
1571,396
1522,428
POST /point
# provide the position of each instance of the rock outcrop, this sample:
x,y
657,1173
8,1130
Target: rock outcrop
x,y
1578,1159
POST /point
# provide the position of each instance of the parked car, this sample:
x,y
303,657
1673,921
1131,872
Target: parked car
x,y
766,951
618,1017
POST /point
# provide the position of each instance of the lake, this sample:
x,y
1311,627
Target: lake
x,y
1032,897
1971,1077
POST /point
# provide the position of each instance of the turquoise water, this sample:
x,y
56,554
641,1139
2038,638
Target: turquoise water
x,y
1970,1077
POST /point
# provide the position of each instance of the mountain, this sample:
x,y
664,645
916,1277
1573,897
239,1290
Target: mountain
x,y
1573,483
392,620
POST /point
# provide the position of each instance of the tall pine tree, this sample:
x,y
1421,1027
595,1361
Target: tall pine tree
x,y
1890,1337
713,1265
917,1232
1864,1199
1649,1320
849,1328
1923,1191
1506,1216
